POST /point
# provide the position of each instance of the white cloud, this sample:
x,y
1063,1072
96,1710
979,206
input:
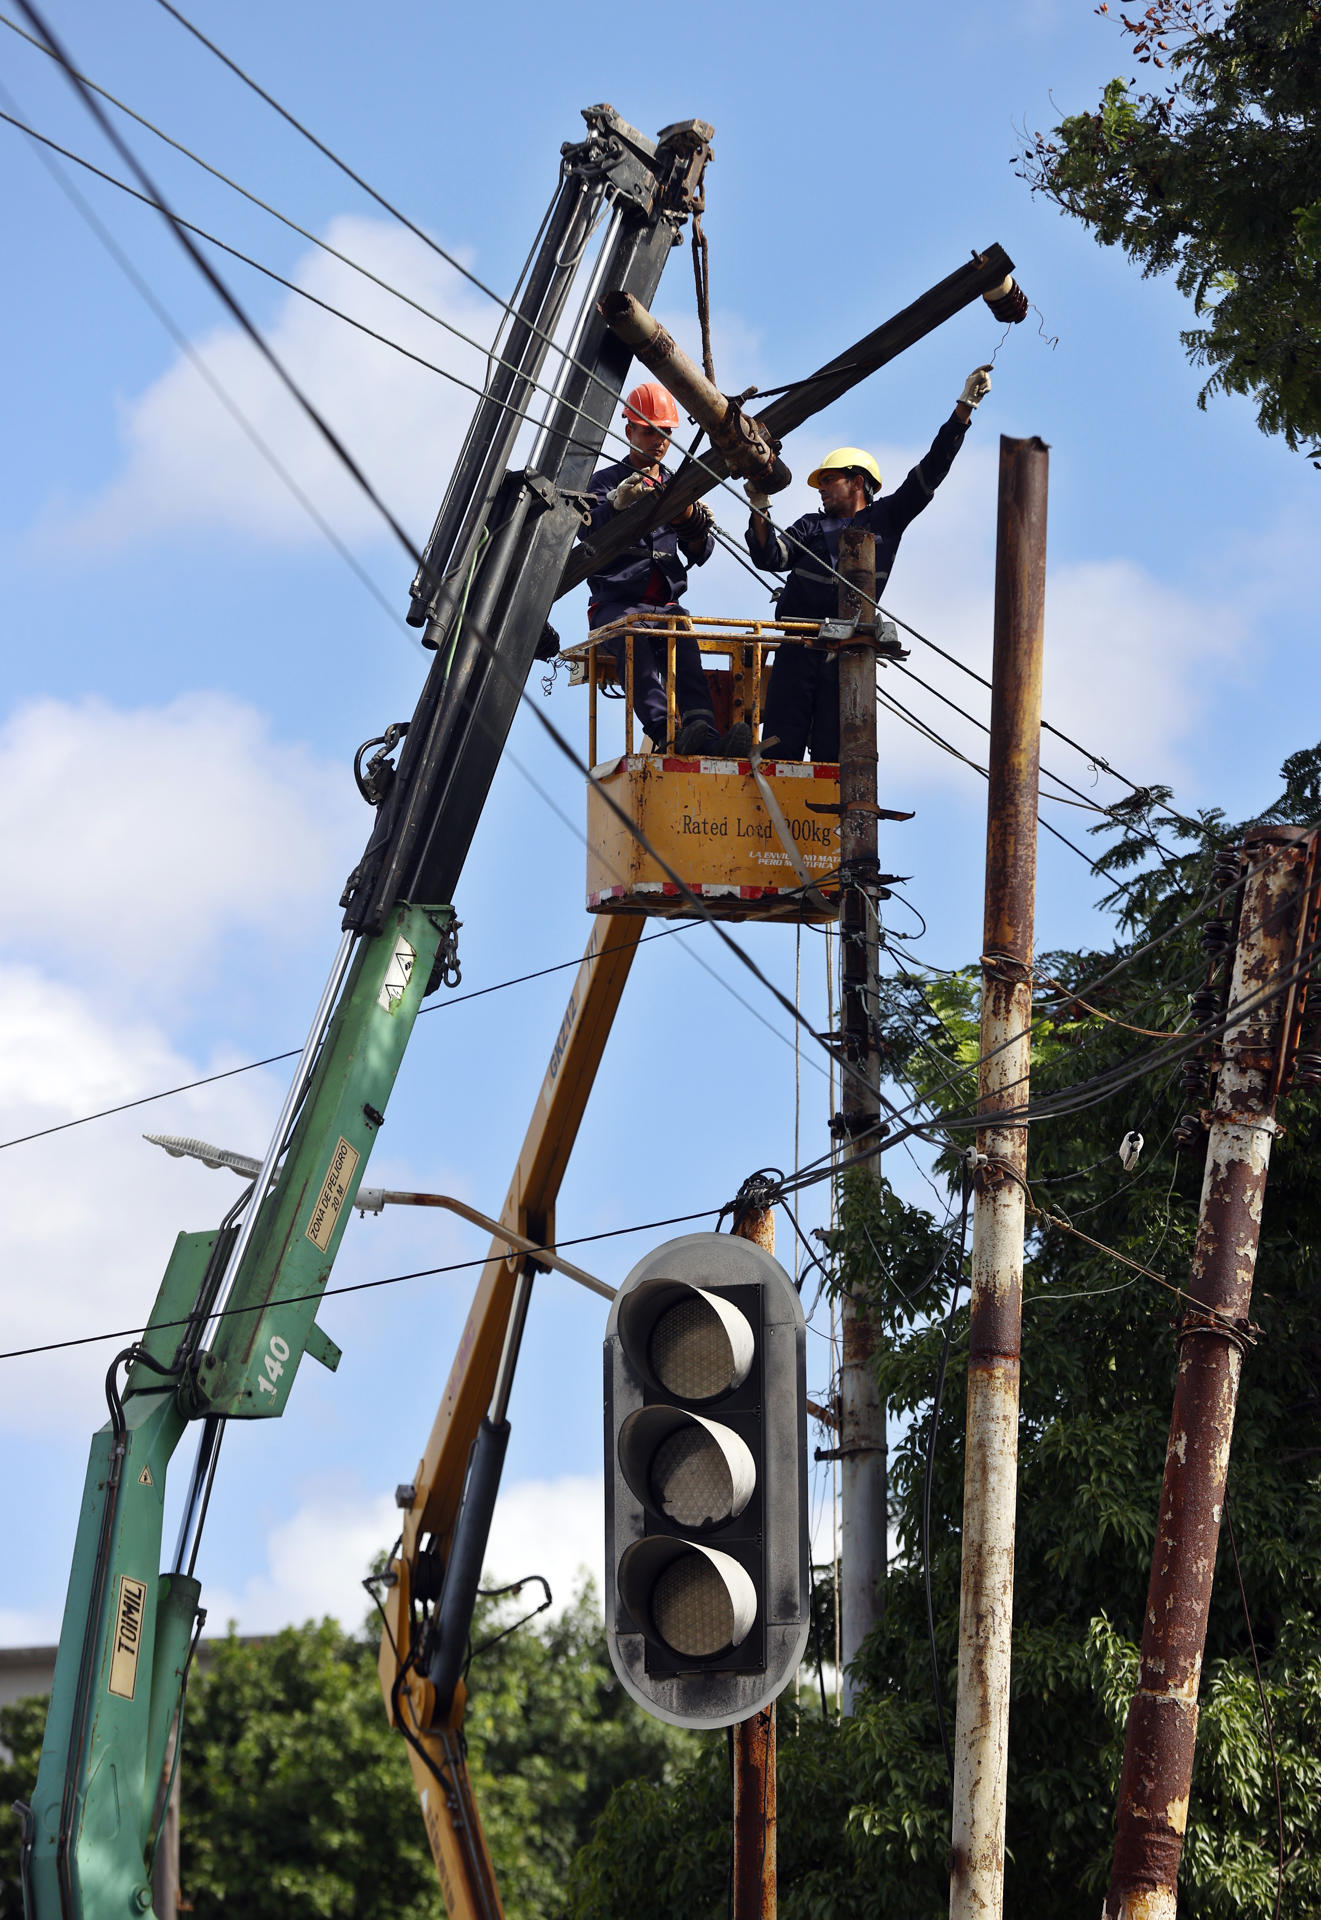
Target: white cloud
x,y
89,1215
188,464
137,839
1130,661
22,1628
552,1527
315,1559
315,1563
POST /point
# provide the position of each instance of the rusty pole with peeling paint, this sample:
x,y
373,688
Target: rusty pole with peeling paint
x,y
755,1886
863,1494
981,1733
1156,1780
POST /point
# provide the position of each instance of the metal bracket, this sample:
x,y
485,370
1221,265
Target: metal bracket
x,y
446,971
856,1126
551,496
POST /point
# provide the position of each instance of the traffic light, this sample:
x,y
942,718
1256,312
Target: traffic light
x,y
706,1481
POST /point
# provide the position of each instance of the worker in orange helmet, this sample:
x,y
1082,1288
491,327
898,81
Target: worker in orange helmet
x,y
652,576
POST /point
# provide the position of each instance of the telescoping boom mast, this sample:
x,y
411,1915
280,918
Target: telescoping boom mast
x,y
235,1313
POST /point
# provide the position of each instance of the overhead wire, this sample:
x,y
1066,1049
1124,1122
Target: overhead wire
x,y
365,186
274,1059
337,446
725,539
162,206
1080,799
1094,759
236,309
492,359
292,286
361,1286
186,347
1076,1098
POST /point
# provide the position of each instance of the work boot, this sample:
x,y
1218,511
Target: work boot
x,y
734,745
697,736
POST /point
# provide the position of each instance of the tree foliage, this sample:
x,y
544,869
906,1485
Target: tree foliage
x,y
1217,177
298,1801
865,1808
21,1727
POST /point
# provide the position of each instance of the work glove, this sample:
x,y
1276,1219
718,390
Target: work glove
x,y
693,530
630,490
548,645
759,502
695,521
976,387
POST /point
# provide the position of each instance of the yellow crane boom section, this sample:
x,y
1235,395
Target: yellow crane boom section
x,y
458,1845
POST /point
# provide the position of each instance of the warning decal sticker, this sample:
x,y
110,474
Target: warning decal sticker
x,y
397,975
334,1192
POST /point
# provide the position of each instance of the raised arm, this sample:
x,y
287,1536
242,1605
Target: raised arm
x,y
902,506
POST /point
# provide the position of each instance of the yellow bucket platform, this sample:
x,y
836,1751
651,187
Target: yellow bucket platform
x,y
705,822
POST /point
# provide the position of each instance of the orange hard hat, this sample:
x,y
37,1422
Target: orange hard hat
x,y
652,405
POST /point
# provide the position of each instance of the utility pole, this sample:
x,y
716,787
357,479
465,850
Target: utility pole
x,y
755,1883
991,1471
861,1416
1275,932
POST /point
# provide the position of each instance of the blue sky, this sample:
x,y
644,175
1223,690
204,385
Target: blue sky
x,y
190,667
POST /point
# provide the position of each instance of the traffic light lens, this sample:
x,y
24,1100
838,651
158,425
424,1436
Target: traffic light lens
x,y
690,1351
691,1481
691,1607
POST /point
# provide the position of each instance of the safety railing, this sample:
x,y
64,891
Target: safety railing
x,y
737,686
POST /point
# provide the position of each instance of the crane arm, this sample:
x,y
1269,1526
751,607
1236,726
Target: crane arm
x,y
236,1310
447,1506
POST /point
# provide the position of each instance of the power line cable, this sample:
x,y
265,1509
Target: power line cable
x,y
177,335
1094,759
364,185
327,306
250,1066
1080,798
562,745
186,347
335,253
362,1286
218,285
234,306
1078,1097
725,538
291,286
922,727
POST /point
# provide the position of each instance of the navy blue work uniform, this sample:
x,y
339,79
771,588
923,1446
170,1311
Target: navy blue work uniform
x,y
650,576
802,701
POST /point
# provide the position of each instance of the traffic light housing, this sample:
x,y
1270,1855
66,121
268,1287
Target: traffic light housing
x,y
707,1587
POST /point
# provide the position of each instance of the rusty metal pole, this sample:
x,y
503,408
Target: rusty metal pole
x,y
861,1416
755,1891
1156,1780
991,1471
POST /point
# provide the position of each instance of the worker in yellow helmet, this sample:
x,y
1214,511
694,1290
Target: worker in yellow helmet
x,y
802,701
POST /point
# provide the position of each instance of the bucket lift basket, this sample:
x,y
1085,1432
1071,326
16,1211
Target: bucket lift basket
x,y
752,842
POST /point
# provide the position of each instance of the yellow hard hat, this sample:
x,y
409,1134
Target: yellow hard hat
x,y
844,457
